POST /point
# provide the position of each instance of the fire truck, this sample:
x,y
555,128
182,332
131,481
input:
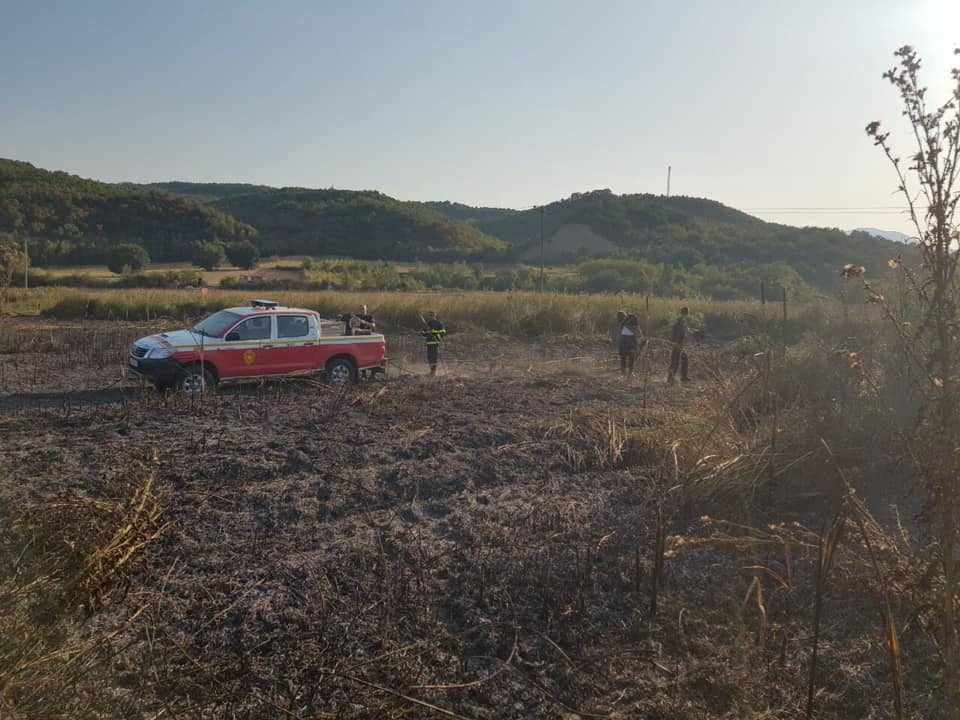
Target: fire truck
x,y
264,340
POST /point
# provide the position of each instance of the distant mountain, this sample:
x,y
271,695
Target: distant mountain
x,y
72,220
206,192
360,224
468,213
892,235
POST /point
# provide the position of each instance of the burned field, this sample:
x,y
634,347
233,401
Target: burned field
x,y
520,537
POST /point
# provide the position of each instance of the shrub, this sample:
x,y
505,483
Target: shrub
x,y
127,257
243,254
209,255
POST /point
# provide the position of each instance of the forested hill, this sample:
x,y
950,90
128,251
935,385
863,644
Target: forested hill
x,y
468,213
206,192
71,220
359,224
686,232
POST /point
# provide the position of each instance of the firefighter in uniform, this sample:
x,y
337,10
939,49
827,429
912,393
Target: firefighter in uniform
x,y
678,356
433,333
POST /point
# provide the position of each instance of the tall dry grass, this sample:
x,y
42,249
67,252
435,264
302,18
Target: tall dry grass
x,y
511,313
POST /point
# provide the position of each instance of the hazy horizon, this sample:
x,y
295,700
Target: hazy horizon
x,y
760,106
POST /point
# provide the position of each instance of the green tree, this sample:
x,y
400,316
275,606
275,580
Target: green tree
x,y
244,254
11,263
209,255
127,257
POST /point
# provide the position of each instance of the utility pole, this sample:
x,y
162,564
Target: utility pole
x,y
541,249
26,264
669,168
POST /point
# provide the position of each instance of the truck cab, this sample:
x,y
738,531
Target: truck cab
x,y
249,343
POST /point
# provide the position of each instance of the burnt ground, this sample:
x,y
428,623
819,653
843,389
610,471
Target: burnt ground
x,y
464,546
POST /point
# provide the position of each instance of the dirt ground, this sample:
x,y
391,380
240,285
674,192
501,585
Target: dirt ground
x,y
414,547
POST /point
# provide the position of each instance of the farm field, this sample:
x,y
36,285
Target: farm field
x,y
267,270
526,535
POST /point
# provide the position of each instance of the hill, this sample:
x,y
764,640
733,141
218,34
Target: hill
x,y
71,220
685,232
360,224
205,192
74,221
468,213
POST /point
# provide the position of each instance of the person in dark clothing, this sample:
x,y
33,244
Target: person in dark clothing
x,y
433,333
365,323
628,337
678,356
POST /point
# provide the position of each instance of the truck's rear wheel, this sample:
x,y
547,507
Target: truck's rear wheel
x,y
193,380
341,371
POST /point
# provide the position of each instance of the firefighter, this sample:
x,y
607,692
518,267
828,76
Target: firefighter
x,y
433,333
678,356
628,332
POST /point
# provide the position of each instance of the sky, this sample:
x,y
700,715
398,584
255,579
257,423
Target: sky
x,y
759,104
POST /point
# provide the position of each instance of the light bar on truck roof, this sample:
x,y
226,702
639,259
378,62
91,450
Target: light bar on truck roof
x,y
264,303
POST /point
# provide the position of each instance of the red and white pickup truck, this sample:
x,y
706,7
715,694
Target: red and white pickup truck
x,y
248,343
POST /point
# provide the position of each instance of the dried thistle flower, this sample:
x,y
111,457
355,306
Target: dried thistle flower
x,y
851,271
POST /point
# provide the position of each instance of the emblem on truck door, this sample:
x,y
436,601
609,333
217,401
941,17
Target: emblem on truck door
x,y
249,356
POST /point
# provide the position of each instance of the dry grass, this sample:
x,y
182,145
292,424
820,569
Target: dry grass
x,y
514,313
62,560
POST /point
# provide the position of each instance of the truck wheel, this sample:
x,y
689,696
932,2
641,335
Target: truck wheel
x,y
192,380
340,371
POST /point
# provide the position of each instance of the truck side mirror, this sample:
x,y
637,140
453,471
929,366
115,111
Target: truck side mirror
x,y
231,336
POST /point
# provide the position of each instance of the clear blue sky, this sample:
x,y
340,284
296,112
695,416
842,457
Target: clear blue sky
x,y
759,104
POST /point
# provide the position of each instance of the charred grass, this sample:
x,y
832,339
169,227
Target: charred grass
x,y
525,536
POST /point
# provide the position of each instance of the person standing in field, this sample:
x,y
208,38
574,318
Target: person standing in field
x,y
678,356
628,335
433,333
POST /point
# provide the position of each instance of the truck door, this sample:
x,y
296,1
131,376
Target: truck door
x,y
296,343
248,349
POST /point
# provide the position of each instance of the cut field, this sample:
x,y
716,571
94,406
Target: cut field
x,y
483,544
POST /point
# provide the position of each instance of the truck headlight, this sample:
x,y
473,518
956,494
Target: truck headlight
x,y
160,353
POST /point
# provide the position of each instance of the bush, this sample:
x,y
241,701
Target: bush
x,y
243,254
127,257
209,255
168,279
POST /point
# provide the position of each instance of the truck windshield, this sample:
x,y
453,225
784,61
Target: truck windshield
x,y
216,324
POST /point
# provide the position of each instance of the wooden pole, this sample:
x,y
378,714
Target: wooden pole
x,y
541,249
784,328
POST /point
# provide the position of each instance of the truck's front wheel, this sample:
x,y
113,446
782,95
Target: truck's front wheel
x,y
341,371
193,380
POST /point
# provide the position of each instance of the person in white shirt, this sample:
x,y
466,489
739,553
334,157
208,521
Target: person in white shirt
x,y
629,336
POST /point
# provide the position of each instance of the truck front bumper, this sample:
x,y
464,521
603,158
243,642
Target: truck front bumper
x,y
159,372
